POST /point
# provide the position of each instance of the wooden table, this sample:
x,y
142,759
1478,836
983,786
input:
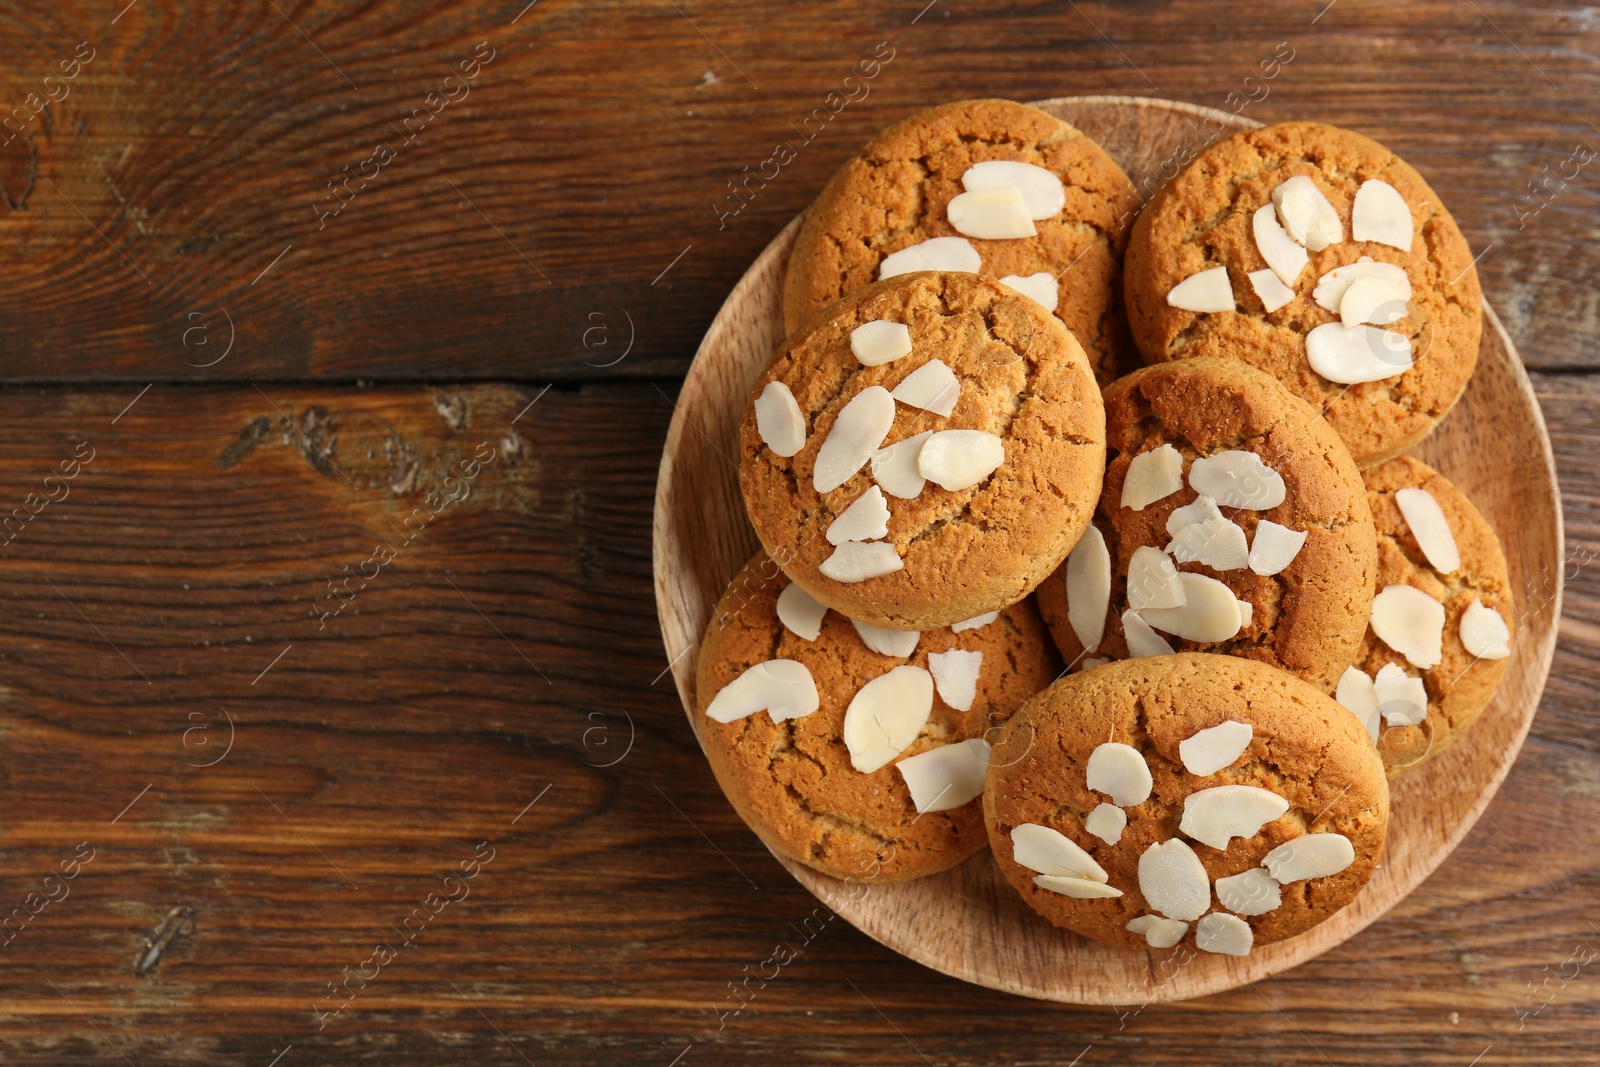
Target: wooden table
x,y
334,724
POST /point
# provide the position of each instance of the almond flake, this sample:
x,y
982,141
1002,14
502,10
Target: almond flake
x,y
1402,697
1237,479
1153,475
880,341
960,459
1373,299
1041,190
1217,815
955,674
1309,856
946,777
1210,750
1089,588
993,214
1142,640
1247,611
1285,258
1093,661
1210,612
1227,935
886,715
779,420
1106,821
1153,580
1047,851
1431,529
1081,888
1351,355
898,643
936,253
856,561
1359,695
866,519
975,622
932,387
1204,509
1174,881
1274,547
799,611
1411,622
1306,213
1252,892
894,467
1331,287
1484,632
1158,932
1208,290
783,688
857,432
1120,772
1273,293
1040,288
1381,214
1218,543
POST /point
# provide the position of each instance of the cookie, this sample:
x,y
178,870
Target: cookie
x,y
792,760
1192,796
1221,484
898,193
926,452
1432,540
1309,291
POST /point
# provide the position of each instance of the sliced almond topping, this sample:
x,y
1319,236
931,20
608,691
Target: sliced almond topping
x,y
1208,290
1153,580
1373,299
781,687
975,622
1252,892
1225,934
936,253
1210,612
1431,529
1484,632
1357,693
857,432
1093,661
946,777
1174,881
1215,747
1306,213
1309,856
1273,293
1153,475
1381,214
1106,821
1047,851
1041,190
886,716
894,467
1247,611
799,611
1040,288
898,643
880,341
866,519
1402,697
955,673
1142,640
1204,509
1411,622
1217,815
1081,888
994,214
960,459
1331,287
1285,258
1218,543
1274,547
856,561
1089,588
932,387
1158,932
1237,479
1120,772
779,420
1350,355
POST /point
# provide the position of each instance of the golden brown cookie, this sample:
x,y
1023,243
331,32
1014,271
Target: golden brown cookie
x,y
1197,415
1461,684
905,551
897,193
795,781
1116,790
1205,219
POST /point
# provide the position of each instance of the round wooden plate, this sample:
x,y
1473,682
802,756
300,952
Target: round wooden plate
x,y
968,922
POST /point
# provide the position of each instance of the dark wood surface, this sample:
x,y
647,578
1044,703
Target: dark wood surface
x,y
172,599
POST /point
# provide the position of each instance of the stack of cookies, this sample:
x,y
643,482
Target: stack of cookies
x,y
1157,635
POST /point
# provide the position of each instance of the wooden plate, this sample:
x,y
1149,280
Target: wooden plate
x,y
968,922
